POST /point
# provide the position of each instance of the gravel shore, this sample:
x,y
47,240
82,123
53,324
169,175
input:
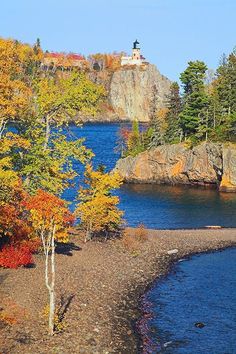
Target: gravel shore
x,y
98,289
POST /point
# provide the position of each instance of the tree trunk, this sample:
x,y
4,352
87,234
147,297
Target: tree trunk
x,y
50,245
47,132
88,233
2,127
52,287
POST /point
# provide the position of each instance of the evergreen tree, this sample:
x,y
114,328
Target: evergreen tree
x,y
158,134
195,100
173,132
223,100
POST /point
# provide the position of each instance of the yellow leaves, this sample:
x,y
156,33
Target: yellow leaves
x,y
15,140
101,182
14,96
48,95
14,91
8,177
60,97
98,209
99,212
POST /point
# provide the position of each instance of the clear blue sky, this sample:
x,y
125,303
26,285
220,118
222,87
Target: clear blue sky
x,y
171,32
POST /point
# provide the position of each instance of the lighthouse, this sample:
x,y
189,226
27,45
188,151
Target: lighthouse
x,y
136,58
136,51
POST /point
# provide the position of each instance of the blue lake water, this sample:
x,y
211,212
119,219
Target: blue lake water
x,y
198,290
156,206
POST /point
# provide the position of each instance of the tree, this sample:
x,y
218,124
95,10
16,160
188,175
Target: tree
x,y
58,99
195,100
10,145
223,98
159,127
97,210
50,220
173,132
51,169
16,62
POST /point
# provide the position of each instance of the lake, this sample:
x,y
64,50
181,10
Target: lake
x,y
186,297
156,206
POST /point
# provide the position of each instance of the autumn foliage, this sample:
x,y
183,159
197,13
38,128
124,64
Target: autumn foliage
x,y
12,256
98,208
47,210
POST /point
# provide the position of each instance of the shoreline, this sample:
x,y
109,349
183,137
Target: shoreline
x,y
141,329
106,282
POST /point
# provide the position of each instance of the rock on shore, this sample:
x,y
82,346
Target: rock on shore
x,y
205,164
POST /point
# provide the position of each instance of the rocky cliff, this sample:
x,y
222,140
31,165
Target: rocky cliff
x,y
205,164
137,92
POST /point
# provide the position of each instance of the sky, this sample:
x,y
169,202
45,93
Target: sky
x,y
170,32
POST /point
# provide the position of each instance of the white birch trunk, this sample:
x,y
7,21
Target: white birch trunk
x,y
2,127
50,268
47,132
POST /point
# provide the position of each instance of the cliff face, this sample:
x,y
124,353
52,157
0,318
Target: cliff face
x,y
228,182
205,164
137,92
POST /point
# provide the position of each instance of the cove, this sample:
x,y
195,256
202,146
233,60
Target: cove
x,y
201,289
156,206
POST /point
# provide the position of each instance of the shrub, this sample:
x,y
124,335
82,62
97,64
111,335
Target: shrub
x,y
10,312
133,240
15,256
141,233
129,241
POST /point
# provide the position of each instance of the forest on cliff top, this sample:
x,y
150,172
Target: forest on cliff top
x,y
202,109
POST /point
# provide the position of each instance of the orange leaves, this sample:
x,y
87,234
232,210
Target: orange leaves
x,y
13,222
11,313
47,210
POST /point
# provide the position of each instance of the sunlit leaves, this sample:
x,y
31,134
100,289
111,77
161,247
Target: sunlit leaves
x,y
98,209
46,211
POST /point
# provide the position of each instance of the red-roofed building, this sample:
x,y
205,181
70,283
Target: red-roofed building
x,y
63,60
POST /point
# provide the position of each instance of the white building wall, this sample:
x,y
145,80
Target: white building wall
x,y
131,61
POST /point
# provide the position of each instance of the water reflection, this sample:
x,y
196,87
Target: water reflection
x,y
161,206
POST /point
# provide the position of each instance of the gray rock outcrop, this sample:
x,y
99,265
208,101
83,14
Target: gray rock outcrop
x,y
138,92
205,164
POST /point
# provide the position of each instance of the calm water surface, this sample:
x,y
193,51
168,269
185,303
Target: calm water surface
x,y
198,290
156,206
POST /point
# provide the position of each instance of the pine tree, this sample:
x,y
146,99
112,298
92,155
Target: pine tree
x,y
173,132
195,100
158,136
223,100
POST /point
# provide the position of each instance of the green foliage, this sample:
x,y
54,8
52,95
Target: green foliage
x,y
134,141
195,100
158,134
205,111
50,169
173,132
60,98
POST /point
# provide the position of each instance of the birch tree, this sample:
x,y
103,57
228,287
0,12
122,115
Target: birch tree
x,y
50,220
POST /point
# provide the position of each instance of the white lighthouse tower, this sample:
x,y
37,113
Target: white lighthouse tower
x,y
136,58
